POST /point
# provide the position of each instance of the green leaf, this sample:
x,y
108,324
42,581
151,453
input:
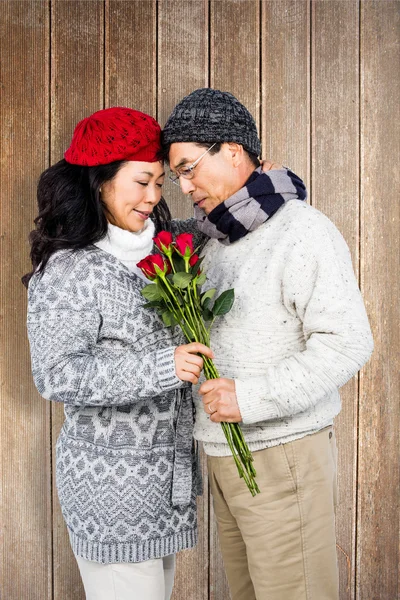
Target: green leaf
x,y
168,319
207,303
153,304
223,303
187,333
196,267
201,279
207,315
151,292
182,280
179,299
162,290
207,296
179,263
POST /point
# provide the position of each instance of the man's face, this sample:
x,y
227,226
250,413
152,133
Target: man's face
x,y
214,177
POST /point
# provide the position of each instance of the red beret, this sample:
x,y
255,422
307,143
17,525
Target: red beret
x,y
112,134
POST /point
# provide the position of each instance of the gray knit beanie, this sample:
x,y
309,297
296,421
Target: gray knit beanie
x,y
208,115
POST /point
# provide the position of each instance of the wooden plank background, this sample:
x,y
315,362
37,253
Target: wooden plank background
x,y
335,191
322,81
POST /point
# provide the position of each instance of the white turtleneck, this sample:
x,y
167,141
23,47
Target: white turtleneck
x,y
129,247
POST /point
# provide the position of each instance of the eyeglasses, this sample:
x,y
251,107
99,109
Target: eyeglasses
x,y
188,172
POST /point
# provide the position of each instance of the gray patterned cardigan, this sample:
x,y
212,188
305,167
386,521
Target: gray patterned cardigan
x,y
126,466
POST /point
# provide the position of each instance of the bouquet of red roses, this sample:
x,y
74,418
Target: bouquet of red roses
x,y
176,295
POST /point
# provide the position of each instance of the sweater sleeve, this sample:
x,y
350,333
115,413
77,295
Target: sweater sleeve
x,y
320,289
84,349
68,364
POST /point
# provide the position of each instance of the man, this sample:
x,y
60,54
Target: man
x,y
297,332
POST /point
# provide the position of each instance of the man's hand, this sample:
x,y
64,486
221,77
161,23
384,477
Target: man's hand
x,y
270,165
219,400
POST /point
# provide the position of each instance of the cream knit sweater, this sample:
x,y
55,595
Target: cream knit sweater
x,y
297,331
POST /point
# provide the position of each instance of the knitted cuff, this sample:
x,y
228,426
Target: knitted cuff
x,y
255,403
165,368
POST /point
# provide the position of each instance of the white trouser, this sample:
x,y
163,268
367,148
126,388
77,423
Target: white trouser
x,y
148,580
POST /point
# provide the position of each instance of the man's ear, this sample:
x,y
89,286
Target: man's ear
x,y
236,152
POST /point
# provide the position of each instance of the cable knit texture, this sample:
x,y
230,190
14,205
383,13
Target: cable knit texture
x,y
115,133
126,467
297,331
208,115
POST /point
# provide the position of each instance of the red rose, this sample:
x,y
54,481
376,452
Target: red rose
x,y
184,244
147,268
163,241
148,264
193,260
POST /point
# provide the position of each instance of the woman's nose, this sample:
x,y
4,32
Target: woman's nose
x,y
153,195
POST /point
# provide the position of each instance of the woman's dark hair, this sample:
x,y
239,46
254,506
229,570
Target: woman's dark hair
x,y
72,214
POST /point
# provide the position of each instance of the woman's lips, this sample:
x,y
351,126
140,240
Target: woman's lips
x,y
142,215
200,203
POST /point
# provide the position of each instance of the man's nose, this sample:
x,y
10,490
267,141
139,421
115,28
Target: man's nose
x,y
187,186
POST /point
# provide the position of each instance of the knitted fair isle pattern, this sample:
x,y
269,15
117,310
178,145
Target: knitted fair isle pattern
x,y
126,466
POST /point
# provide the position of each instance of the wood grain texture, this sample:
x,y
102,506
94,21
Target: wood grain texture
x,y
235,50
130,54
234,67
335,186
191,575
309,87
25,511
378,476
285,84
182,67
77,83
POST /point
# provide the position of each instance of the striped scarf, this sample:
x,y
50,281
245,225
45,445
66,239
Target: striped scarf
x,y
252,205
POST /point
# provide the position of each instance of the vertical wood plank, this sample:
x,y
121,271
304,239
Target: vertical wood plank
x,y
130,56
182,65
235,50
25,512
234,67
77,68
286,84
335,176
378,475
77,65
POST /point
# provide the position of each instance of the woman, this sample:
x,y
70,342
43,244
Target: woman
x,y
126,466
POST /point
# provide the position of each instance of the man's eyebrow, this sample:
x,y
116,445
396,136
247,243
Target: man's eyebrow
x,y
182,162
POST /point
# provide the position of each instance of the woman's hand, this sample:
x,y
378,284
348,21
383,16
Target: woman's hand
x,y
188,364
269,165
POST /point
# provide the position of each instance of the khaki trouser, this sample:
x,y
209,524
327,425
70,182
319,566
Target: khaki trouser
x,y
280,545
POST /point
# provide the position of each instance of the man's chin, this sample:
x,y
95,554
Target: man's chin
x,y
207,205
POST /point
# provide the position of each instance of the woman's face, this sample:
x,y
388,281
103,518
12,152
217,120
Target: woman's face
x,y
132,194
